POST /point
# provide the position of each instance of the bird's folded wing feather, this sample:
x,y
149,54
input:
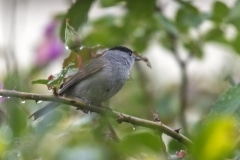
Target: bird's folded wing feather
x,y
91,68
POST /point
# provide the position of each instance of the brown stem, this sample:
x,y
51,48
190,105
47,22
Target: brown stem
x,y
184,82
121,117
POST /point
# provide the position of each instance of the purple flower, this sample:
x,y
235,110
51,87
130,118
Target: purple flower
x,y
51,28
51,46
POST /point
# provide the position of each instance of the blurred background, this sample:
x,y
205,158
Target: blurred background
x,y
193,48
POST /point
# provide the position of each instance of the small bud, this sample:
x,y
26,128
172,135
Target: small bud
x,y
181,154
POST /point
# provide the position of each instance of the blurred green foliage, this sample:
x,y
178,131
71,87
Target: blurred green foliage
x,y
67,134
227,104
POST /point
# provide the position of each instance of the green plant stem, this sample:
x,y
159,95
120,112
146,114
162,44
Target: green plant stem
x,y
120,117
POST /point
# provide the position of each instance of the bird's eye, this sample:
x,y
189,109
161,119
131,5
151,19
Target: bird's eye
x,y
130,53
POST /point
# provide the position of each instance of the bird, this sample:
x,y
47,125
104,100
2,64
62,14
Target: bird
x,y
99,80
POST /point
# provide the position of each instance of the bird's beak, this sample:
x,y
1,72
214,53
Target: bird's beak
x,y
140,58
137,58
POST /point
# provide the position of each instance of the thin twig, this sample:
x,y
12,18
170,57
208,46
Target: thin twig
x,y
121,117
113,132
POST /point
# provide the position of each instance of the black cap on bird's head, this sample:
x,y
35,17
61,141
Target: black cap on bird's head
x,y
121,48
127,50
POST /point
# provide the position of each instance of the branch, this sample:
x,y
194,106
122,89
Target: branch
x,y
121,117
184,79
184,82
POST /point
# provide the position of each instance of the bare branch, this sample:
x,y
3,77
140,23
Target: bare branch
x,y
120,117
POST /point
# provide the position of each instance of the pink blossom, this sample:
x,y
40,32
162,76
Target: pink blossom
x,y
51,46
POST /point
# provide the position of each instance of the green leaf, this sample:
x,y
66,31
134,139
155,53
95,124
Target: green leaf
x,y
219,12
40,81
186,4
234,15
228,103
139,10
109,3
56,79
77,15
72,38
140,141
195,48
216,140
189,16
174,146
17,118
166,41
236,43
215,34
140,38
72,58
106,32
166,24
59,77
140,44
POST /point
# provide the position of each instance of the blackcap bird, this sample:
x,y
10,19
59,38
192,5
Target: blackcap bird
x,y
98,80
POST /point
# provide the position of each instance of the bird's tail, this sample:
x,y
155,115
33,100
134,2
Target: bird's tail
x,y
39,113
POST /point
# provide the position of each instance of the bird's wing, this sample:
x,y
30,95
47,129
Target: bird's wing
x,y
91,68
